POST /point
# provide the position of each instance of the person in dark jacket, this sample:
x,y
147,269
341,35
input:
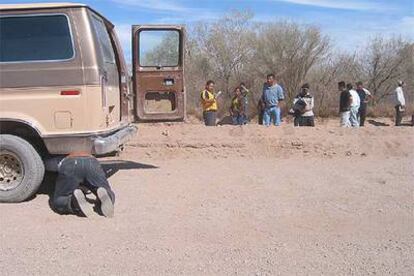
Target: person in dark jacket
x,y
345,101
365,96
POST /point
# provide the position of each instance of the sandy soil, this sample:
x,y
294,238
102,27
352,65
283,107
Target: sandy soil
x,y
234,200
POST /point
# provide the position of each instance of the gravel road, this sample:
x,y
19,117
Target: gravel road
x,y
233,200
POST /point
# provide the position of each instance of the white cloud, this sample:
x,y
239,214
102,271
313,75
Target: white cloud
x,y
339,4
155,5
173,10
190,18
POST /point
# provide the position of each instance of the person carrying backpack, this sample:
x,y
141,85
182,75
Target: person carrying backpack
x,y
302,109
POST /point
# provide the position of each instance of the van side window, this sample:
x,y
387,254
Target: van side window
x,y
104,40
35,38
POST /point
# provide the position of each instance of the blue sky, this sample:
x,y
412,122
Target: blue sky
x,y
350,23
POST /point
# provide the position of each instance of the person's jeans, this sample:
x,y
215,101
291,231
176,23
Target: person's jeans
x,y
238,119
245,119
260,117
345,119
362,113
353,117
271,114
209,118
304,121
74,171
398,115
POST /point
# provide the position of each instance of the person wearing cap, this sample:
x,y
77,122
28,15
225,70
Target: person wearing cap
x,y
364,96
355,103
303,105
399,103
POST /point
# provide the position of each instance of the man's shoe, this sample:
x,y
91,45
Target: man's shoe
x,y
80,203
107,206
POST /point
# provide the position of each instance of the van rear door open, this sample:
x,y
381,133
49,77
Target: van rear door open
x,y
158,80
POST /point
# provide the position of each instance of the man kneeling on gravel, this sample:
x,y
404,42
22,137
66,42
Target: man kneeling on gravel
x,y
76,171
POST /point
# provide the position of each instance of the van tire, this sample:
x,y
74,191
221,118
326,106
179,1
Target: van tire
x,y
21,169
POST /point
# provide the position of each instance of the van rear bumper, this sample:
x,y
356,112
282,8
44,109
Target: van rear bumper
x,y
94,143
111,143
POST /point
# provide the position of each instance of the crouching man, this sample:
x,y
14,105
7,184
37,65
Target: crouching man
x,y
77,170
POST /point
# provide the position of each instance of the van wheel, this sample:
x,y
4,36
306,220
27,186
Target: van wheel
x,y
21,169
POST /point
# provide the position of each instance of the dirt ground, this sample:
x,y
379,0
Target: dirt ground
x,y
234,200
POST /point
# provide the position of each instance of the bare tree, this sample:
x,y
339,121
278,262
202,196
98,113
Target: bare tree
x,y
233,49
289,50
325,76
384,64
225,45
166,53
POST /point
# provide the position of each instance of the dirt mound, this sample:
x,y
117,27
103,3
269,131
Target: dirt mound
x,y
182,140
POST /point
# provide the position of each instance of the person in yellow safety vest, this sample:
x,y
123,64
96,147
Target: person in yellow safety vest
x,y
209,104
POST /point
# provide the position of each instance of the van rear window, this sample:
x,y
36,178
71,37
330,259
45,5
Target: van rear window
x,y
35,38
104,40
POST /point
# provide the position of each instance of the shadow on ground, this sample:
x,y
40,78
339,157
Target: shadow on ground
x,y
376,123
227,120
112,167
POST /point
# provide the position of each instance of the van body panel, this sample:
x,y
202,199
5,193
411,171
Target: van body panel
x,y
40,104
126,94
107,66
36,114
33,92
159,88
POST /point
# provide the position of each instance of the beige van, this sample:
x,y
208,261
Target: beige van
x,y
65,87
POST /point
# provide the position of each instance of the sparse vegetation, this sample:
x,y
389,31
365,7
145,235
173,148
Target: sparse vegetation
x,y
235,49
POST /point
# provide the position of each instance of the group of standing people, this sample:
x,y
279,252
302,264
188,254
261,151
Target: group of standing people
x,y
353,104
238,106
270,104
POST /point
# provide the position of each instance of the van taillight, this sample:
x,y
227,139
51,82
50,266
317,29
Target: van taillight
x,y
70,92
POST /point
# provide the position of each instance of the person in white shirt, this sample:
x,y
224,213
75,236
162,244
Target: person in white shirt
x,y
399,103
356,102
